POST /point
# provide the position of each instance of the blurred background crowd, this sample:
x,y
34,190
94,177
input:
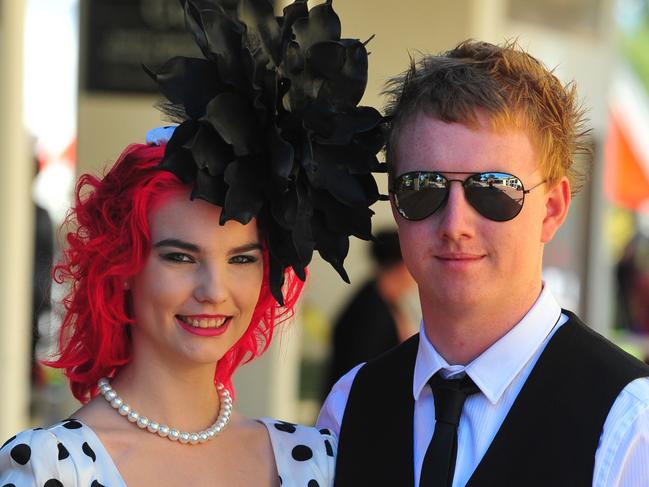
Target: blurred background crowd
x,y
73,93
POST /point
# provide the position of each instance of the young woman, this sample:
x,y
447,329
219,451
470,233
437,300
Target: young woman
x,y
186,255
160,293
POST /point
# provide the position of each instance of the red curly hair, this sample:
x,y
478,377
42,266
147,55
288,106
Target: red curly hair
x,y
109,243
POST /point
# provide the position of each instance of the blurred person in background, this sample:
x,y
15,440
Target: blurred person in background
x,y
184,257
501,386
632,272
374,320
42,282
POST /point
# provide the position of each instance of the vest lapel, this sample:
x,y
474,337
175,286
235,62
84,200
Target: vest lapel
x,y
375,447
551,433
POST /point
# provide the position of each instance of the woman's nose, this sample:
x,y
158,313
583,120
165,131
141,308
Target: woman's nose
x,y
211,285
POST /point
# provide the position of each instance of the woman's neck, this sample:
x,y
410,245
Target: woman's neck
x,y
179,395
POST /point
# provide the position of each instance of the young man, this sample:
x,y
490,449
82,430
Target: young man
x,y
501,387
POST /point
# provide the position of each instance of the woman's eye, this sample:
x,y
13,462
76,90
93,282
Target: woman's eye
x,y
243,259
178,257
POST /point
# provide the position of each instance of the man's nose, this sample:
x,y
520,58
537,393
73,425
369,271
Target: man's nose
x,y
456,216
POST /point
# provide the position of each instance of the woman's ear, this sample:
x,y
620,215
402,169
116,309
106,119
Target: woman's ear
x,y
557,203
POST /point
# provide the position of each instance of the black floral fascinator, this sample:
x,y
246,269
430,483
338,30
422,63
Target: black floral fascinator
x,y
270,127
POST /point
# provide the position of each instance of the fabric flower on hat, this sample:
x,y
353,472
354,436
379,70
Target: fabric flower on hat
x,y
270,126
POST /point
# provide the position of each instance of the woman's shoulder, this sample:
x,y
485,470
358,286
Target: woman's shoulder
x,y
65,453
305,456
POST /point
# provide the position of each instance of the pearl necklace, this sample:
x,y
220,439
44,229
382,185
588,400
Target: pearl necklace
x,y
163,430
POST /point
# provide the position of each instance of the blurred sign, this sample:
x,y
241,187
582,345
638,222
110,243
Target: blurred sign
x,y
118,36
626,151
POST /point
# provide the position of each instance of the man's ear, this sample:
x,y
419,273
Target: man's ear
x,y
557,203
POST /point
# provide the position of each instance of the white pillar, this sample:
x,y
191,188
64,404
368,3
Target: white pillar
x,y
16,222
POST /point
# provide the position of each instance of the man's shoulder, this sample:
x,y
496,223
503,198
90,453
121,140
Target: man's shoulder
x,y
596,348
406,351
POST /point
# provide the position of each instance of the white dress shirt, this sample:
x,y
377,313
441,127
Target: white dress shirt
x,y
622,457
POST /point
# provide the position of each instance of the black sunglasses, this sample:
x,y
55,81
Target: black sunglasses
x,y
498,196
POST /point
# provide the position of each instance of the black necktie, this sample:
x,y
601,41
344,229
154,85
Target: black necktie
x,y
439,462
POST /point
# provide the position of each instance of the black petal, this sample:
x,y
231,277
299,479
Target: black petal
x,y
234,119
189,82
281,155
209,188
219,36
245,198
322,24
209,150
347,88
177,158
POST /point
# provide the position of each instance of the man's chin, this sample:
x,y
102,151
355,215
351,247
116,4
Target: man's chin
x,y
459,295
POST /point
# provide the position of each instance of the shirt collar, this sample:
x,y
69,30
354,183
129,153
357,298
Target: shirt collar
x,y
495,369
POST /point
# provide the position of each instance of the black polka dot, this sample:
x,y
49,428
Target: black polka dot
x,y
96,484
280,480
88,451
63,452
313,483
21,453
72,424
285,427
302,453
8,441
9,485
325,431
53,483
36,429
330,450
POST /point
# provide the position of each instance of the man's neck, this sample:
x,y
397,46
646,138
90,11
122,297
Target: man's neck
x,y
462,333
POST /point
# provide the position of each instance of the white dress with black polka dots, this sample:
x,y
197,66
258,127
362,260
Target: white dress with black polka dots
x,y
69,454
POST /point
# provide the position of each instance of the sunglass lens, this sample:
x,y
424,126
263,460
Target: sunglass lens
x,y
497,196
419,194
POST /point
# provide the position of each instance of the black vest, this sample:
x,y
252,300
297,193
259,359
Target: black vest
x,y
549,437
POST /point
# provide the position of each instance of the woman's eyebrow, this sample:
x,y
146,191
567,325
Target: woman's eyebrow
x,y
176,242
245,248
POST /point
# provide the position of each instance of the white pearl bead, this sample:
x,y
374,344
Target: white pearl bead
x,y
133,416
211,433
220,387
202,437
117,402
105,388
184,437
193,438
174,434
110,395
217,428
124,409
142,422
102,381
153,426
163,430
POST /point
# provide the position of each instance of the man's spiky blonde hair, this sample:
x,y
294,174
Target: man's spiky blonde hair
x,y
513,88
